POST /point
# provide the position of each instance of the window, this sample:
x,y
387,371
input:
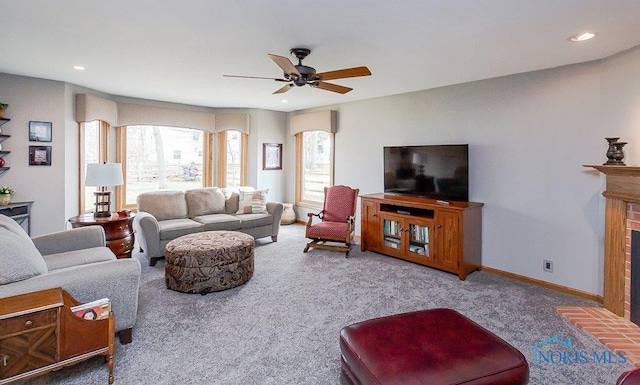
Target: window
x,y
232,159
156,158
93,149
314,167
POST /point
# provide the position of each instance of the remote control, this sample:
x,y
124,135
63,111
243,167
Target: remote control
x,y
442,202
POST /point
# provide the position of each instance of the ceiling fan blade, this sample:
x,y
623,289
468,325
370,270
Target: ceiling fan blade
x,y
284,89
344,73
255,77
333,87
285,64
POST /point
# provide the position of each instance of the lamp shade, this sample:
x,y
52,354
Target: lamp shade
x,y
104,174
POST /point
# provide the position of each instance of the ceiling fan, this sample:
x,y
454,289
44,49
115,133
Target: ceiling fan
x,y
300,74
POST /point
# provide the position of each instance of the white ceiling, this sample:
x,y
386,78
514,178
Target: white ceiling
x,y
177,51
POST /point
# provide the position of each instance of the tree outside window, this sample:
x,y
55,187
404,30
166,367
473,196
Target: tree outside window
x,y
315,160
162,158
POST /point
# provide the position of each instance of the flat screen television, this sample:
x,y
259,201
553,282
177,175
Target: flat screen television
x,y
433,171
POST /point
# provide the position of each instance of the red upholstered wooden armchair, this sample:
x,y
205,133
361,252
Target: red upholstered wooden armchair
x,y
337,220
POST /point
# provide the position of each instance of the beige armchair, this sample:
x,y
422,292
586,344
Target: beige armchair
x,y
76,260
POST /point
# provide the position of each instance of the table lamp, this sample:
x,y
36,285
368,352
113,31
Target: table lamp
x,y
103,175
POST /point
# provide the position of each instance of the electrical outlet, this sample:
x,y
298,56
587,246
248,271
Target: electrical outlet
x,y
547,266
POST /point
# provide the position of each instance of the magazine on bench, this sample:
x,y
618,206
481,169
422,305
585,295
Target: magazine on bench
x,y
94,310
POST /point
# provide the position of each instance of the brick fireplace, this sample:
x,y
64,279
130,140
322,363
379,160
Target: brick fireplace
x,y
632,253
612,324
622,215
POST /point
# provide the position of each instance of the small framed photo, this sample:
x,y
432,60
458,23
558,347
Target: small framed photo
x,y
39,131
39,155
272,156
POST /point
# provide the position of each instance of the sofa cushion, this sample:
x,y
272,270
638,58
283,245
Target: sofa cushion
x,y
163,205
252,202
214,222
250,221
203,201
78,257
19,257
174,228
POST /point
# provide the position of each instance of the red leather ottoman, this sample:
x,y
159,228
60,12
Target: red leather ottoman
x,y
631,377
438,346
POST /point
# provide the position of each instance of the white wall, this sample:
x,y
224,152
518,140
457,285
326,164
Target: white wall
x,y
32,99
71,170
529,135
621,101
272,129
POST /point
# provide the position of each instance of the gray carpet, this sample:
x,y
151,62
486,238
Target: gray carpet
x,y
282,327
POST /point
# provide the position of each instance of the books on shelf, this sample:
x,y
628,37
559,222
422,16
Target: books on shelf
x,y
392,228
419,249
98,309
392,242
420,233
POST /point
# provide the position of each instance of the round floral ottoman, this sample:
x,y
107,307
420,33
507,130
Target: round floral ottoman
x,y
209,261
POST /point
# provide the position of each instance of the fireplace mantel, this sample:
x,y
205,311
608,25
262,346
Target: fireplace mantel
x,y
623,187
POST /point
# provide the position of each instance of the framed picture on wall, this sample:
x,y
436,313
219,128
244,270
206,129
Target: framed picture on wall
x,y
39,131
272,156
39,155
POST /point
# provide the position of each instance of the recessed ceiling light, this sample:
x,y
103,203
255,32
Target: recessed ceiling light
x,y
284,100
79,68
582,37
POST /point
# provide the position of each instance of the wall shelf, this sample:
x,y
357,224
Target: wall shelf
x,y
3,153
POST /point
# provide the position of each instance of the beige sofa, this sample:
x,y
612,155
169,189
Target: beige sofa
x,y
77,260
166,215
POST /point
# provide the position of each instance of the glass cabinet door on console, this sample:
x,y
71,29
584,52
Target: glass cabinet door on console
x,y
420,236
407,237
393,228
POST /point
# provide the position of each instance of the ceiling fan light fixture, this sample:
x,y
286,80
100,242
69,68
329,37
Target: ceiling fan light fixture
x,y
582,37
302,75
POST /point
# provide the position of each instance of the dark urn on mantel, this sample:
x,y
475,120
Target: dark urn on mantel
x,y
615,154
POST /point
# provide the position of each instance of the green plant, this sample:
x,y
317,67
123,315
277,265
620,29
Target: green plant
x,y
3,106
6,190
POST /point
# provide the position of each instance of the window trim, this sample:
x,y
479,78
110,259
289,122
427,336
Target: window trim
x,y
103,153
221,158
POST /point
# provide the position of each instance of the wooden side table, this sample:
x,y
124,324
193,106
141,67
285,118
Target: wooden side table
x,y
118,230
39,334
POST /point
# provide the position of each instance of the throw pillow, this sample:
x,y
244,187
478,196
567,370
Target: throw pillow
x,y
19,257
252,202
204,201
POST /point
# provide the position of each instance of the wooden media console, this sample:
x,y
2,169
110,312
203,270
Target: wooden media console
x,y
438,234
